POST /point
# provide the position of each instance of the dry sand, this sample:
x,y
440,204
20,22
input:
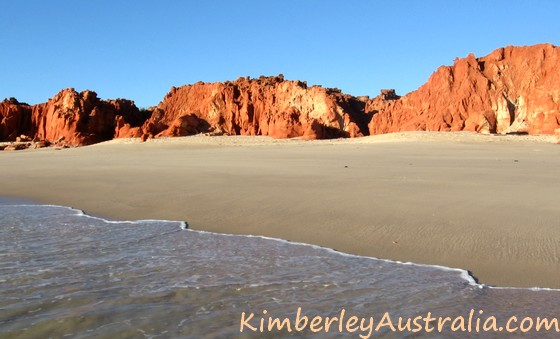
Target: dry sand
x,y
488,204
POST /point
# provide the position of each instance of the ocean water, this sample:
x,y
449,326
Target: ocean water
x,y
64,274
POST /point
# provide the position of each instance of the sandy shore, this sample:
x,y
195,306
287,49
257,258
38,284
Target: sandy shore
x,y
488,204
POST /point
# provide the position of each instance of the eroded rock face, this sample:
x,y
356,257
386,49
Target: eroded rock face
x,y
511,90
83,118
15,119
69,118
267,106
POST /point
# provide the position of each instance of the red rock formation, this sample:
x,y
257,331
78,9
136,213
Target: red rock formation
x,y
15,119
380,103
128,118
264,106
70,117
82,118
511,90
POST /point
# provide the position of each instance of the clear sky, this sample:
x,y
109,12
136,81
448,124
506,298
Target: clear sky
x,y
139,49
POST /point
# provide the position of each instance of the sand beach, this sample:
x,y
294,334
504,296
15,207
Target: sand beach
x,y
485,203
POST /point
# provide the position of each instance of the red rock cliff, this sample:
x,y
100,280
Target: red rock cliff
x,y
264,106
15,119
76,118
511,90
82,118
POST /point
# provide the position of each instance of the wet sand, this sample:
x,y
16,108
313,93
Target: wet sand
x,y
488,204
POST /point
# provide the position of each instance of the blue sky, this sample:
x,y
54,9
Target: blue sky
x,y
139,49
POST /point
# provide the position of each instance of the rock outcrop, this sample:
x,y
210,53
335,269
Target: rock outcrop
x,y
269,106
265,106
511,90
381,102
82,118
69,118
15,119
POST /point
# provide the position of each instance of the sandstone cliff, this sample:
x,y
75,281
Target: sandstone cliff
x,y
15,119
265,106
70,117
511,90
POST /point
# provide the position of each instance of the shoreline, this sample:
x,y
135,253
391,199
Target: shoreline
x,y
398,198
467,276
